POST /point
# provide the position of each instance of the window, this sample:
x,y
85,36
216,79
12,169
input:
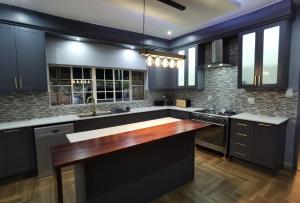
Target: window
x,y
74,85
82,85
137,85
60,85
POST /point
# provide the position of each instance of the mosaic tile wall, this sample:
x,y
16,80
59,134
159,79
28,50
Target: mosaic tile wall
x,y
221,85
26,106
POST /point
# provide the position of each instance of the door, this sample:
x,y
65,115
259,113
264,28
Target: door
x,y
8,67
269,68
265,144
248,60
17,154
31,59
158,78
191,68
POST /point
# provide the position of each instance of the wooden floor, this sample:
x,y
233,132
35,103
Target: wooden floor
x,y
216,180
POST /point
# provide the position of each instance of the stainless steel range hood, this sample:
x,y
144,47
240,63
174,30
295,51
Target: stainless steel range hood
x,y
217,55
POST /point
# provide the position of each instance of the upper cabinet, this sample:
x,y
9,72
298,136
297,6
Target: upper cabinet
x,y
264,56
22,56
187,75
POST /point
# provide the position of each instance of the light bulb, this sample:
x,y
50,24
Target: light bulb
x,y
157,62
172,63
165,63
149,61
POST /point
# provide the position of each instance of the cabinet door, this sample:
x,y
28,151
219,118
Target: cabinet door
x,y
17,152
89,124
156,114
265,144
31,59
191,67
122,119
181,66
248,44
180,114
268,74
158,78
8,67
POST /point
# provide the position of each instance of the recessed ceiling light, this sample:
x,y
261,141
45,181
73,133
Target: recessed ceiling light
x,y
169,32
131,47
77,39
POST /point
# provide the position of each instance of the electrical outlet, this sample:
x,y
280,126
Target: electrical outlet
x,y
251,100
289,93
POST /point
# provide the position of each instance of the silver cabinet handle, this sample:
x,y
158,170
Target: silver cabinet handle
x,y
11,131
241,154
16,83
242,124
21,85
242,134
243,145
265,125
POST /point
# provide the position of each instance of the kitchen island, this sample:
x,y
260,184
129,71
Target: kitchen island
x,y
139,163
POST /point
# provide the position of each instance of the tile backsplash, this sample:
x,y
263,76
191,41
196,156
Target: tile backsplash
x,y
221,85
19,106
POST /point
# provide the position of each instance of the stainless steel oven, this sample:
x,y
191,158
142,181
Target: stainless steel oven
x,y
215,136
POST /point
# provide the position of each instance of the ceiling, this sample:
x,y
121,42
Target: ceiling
x,y
160,18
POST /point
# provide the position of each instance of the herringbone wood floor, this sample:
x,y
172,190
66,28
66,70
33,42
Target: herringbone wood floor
x,y
216,180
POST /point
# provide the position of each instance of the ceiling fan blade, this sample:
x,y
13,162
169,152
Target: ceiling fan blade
x,y
173,4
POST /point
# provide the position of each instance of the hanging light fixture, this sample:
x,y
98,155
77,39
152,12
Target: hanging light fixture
x,y
160,58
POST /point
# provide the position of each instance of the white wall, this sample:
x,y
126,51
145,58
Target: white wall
x,y
67,52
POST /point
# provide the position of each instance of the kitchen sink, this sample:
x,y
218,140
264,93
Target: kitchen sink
x,y
86,115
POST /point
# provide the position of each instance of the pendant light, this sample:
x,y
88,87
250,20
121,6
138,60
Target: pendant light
x,y
160,58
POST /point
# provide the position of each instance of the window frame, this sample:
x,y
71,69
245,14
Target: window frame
x,y
94,84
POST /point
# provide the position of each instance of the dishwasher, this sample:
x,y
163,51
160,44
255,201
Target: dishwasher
x,y
46,137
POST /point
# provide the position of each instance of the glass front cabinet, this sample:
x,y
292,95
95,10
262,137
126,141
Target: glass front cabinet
x,y
187,75
264,57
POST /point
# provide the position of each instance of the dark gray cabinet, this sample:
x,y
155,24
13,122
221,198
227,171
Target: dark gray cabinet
x,y
122,119
264,56
17,152
260,143
8,67
30,45
158,78
180,114
89,124
156,114
22,57
190,75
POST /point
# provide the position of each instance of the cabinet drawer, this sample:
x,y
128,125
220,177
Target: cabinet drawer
x,y
242,126
241,150
244,138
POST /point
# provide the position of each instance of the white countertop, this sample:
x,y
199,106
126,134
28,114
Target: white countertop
x,y
71,118
92,134
260,118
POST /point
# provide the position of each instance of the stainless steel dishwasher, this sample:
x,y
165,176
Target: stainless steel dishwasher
x,y
45,137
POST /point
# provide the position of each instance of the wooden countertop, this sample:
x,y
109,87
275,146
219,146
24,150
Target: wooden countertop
x,y
72,153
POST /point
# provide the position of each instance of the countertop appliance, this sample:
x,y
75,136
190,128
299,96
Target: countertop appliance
x,y
48,136
216,136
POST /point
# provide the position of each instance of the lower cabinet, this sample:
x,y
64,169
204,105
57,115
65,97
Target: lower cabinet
x,y
260,143
122,119
180,114
17,153
89,124
156,114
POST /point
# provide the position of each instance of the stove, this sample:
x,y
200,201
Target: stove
x,y
216,136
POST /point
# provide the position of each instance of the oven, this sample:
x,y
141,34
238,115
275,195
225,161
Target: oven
x,y
215,136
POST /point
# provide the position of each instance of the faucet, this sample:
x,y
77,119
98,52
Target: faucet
x,y
92,99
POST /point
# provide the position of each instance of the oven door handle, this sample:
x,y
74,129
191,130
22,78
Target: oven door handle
x,y
218,124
